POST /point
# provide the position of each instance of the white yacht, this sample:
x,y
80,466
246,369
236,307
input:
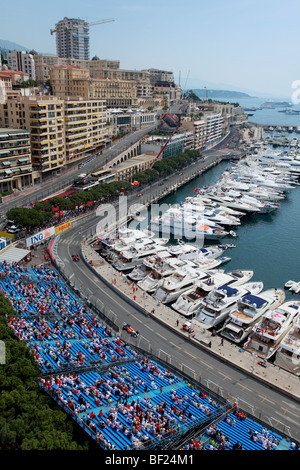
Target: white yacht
x,y
268,332
136,254
159,273
189,301
180,226
232,202
173,286
215,307
247,312
288,353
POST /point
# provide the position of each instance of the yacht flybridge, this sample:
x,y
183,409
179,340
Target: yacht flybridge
x,y
188,303
268,332
215,307
247,312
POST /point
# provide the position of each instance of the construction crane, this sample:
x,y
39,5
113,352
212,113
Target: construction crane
x,y
94,23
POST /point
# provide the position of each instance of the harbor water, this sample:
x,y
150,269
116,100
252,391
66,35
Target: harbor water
x,y
268,244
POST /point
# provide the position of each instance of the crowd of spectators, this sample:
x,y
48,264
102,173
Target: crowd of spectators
x,y
124,400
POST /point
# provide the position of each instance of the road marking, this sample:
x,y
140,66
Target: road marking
x,y
266,399
224,375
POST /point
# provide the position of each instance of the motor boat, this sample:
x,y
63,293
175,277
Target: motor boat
x,y
160,271
136,254
173,286
249,309
288,353
271,328
188,303
215,307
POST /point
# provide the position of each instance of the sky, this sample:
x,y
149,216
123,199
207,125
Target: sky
x,y
250,45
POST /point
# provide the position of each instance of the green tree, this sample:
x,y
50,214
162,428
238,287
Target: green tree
x,y
29,418
25,217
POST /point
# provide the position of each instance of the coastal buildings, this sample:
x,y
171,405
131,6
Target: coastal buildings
x,y
21,61
157,75
84,122
45,62
122,121
75,81
195,132
214,128
15,159
72,38
60,131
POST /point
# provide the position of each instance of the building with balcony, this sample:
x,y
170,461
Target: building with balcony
x,y
45,62
20,61
72,38
195,133
44,117
214,128
76,82
85,121
15,159
157,75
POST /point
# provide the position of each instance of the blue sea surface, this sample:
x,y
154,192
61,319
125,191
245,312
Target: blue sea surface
x,y
268,244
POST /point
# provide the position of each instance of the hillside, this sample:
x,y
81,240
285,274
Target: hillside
x,y
220,94
6,46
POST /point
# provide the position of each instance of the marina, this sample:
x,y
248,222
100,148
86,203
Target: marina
x,y
257,203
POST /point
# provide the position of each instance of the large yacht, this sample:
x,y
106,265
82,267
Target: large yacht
x,y
288,353
248,311
268,332
179,226
215,307
136,254
173,286
190,300
159,271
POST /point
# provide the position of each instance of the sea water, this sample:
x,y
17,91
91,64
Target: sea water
x,y
268,244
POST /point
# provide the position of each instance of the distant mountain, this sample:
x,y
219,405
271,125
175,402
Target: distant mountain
x,y
6,46
220,94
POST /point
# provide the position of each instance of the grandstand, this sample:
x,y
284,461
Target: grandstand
x,y
123,399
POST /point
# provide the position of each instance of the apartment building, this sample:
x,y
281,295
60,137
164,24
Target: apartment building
x,y
74,81
22,62
72,38
157,75
15,159
45,62
195,133
61,130
214,128
43,117
84,127
128,121
70,81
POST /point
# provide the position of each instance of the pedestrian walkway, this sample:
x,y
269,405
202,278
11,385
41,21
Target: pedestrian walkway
x,y
225,350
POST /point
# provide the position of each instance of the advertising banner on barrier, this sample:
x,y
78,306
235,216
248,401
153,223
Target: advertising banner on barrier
x,y
39,237
62,228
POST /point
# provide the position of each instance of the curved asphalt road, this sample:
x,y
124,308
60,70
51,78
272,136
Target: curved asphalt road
x,y
253,396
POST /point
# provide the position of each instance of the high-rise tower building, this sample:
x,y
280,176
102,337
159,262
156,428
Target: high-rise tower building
x,y
72,38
